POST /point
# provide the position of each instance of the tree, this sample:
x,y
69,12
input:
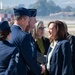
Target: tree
x,y
67,9
41,6
44,8
52,7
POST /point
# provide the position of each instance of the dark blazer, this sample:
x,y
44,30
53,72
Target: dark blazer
x,y
46,43
60,63
71,39
7,58
22,40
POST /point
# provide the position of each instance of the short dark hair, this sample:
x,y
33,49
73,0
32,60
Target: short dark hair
x,y
4,34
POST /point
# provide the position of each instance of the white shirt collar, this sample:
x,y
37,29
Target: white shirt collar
x,y
53,44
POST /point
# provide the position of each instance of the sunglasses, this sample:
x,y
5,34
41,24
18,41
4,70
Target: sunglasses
x,y
41,28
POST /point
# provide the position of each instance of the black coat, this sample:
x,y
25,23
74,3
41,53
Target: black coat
x,y
71,39
60,62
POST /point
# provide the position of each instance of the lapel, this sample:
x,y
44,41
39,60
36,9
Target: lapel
x,y
49,49
56,47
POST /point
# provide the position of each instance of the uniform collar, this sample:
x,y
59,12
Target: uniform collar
x,y
18,26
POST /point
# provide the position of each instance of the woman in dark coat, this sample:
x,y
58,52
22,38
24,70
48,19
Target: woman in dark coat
x,y
7,51
59,54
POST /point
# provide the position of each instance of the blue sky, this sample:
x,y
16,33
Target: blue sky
x,y
61,3
16,2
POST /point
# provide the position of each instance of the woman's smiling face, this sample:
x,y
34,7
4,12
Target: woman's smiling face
x,y
52,31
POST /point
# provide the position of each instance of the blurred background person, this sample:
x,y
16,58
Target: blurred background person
x,y
59,54
11,22
71,39
7,51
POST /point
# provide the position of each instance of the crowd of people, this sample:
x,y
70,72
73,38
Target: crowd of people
x,y
24,50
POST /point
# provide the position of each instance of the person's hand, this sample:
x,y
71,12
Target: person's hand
x,y
45,55
43,68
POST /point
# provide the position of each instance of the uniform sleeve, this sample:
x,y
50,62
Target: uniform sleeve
x,y
26,52
11,70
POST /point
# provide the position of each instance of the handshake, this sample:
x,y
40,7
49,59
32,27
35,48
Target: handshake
x,y
43,68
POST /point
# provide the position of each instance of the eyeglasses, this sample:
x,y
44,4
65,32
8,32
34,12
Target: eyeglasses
x,y
41,28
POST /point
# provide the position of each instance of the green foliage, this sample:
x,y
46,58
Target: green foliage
x,y
44,8
68,9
